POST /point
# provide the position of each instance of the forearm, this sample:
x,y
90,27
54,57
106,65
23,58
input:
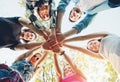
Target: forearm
x,y
69,61
58,71
85,51
86,37
70,33
27,54
60,12
28,46
59,22
81,25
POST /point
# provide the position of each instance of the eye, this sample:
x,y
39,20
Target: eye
x,y
37,58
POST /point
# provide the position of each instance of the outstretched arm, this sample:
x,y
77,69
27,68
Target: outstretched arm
x,y
74,67
27,54
40,62
86,37
59,73
60,13
80,26
87,52
27,46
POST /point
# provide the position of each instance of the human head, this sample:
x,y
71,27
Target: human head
x,y
94,45
28,35
75,14
43,9
67,70
34,59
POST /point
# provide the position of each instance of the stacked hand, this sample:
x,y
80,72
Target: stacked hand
x,y
54,42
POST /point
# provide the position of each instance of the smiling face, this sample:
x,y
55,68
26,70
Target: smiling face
x,y
43,11
75,14
67,70
94,45
29,36
35,58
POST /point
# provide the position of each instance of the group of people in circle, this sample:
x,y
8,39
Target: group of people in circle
x,y
13,36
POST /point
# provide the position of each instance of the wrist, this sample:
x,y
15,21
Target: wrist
x,y
62,53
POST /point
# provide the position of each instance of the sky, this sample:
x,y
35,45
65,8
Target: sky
x,y
105,21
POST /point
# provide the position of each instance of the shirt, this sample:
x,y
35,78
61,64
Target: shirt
x,y
90,7
110,50
74,77
10,30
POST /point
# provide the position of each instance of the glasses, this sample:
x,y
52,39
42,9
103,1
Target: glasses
x,y
37,58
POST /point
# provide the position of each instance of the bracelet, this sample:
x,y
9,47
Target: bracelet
x,y
62,53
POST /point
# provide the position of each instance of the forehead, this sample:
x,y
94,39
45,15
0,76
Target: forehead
x,y
37,54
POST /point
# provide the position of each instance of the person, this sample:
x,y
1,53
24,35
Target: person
x,y
11,33
43,9
7,74
90,8
71,72
29,63
105,45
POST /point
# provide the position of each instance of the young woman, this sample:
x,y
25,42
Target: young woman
x,y
72,73
28,64
102,46
11,33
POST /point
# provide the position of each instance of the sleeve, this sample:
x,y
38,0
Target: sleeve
x,y
84,23
62,5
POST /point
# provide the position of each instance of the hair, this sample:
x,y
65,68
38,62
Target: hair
x,y
40,2
29,30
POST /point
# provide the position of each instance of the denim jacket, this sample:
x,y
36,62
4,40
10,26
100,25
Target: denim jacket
x,y
90,13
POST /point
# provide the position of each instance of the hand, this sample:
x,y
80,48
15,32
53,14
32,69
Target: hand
x,y
46,46
49,44
56,49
